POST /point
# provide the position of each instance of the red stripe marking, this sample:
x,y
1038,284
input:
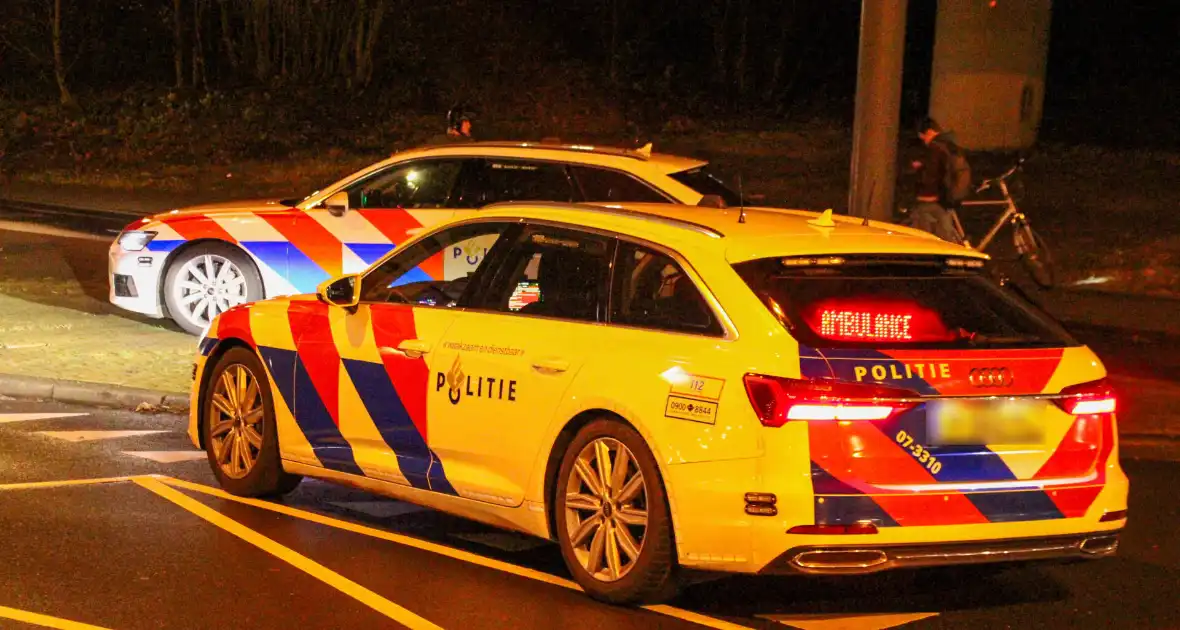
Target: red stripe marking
x,y
393,324
1031,368
433,266
192,228
880,460
311,238
392,223
951,508
1074,501
860,451
1076,453
235,323
317,349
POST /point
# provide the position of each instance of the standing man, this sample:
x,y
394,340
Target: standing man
x,y
459,124
940,181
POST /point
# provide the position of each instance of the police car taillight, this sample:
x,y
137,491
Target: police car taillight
x,y
777,400
1087,399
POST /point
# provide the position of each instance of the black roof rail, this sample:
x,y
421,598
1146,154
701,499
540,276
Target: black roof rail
x,y
617,211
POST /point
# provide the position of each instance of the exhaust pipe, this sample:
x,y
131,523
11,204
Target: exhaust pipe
x,y
1100,545
840,559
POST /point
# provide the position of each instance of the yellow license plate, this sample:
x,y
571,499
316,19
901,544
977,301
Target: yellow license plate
x,y
1008,421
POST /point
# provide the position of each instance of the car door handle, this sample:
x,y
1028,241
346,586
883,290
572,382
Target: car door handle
x,y
412,348
551,365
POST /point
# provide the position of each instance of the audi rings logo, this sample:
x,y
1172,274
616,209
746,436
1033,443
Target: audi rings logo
x,y
990,377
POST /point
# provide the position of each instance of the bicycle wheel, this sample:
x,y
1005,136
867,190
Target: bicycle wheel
x,y
1034,255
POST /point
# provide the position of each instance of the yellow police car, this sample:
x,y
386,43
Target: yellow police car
x,y
659,387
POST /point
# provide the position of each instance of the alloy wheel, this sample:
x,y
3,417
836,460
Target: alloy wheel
x,y
606,509
206,286
236,421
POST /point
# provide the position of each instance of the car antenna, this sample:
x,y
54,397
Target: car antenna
x,y
741,201
872,190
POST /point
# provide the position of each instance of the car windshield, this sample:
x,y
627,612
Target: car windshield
x,y
704,181
881,303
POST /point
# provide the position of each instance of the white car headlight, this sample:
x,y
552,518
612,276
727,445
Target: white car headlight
x,y
135,240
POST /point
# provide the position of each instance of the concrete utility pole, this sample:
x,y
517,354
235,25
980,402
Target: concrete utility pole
x,y
878,107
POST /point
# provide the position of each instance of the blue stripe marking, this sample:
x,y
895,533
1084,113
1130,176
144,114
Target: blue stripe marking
x,y
272,254
281,364
811,367
438,477
1010,507
845,362
823,482
418,463
370,252
312,417
303,272
849,510
844,505
414,275
164,246
316,421
808,352
960,463
206,345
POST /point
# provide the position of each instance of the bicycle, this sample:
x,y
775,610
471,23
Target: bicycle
x,y
1033,252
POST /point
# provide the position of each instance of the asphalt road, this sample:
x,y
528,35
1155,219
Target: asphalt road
x,y
168,552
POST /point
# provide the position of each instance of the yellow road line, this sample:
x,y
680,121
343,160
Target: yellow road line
x,y
443,550
417,543
290,556
38,485
697,618
44,621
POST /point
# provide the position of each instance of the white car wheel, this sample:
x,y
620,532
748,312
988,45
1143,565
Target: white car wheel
x,y
207,280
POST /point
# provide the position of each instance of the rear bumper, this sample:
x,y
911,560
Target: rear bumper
x,y
869,558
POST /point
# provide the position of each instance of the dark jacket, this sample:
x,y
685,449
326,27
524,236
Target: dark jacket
x,y
932,175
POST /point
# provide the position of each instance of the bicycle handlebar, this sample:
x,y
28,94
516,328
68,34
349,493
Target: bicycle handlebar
x,y
988,183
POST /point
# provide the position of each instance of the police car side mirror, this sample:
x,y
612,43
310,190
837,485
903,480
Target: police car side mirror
x,y
344,291
337,204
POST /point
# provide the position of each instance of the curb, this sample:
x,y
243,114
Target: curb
x,y
86,393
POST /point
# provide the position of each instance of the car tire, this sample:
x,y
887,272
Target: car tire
x,y
647,576
206,279
240,434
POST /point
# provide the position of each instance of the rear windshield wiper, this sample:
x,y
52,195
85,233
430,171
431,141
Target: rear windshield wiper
x,y
975,339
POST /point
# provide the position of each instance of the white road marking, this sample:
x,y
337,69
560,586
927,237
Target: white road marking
x,y
504,541
86,436
848,622
380,509
168,457
26,417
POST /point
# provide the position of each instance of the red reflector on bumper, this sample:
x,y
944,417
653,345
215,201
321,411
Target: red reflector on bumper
x,y
834,530
1117,515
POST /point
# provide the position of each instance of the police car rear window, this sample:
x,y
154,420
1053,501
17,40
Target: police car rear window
x,y
884,303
